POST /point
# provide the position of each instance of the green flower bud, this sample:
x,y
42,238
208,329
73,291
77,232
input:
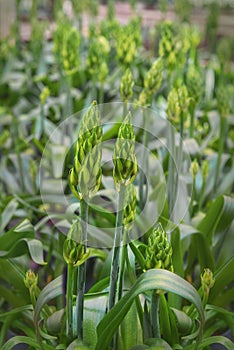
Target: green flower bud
x,y
159,250
194,168
73,252
124,159
173,108
129,207
31,280
44,95
99,49
154,77
205,169
70,57
194,83
207,281
85,176
103,72
126,86
144,99
183,98
223,101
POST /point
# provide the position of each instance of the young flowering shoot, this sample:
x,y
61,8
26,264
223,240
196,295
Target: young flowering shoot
x,y
126,86
126,48
173,107
85,176
129,207
178,103
207,281
154,77
223,103
103,72
70,57
99,49
158,251
167,45
44,95
194,168
31,280
194,83
73,253
124,159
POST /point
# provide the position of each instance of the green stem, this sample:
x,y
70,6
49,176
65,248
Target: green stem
x,y
192,196
220,150
191,127
145,160
69,302
82,270
117,243
154,314
202,193
171,169
123,254
125,108
17,151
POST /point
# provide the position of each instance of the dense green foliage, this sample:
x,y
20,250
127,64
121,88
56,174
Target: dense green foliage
x,y
104,243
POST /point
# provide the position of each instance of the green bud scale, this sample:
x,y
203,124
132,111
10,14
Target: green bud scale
x,y
124,159
126,85
129,206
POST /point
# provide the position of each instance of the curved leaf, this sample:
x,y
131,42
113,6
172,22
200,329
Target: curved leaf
x,y
24,246
51,291
25,340
218,217
216,340
152,279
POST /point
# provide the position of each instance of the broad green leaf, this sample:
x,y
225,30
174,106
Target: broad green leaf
x,y
129,328
7,214
51,291
227,343
157,344
25,340
184,322
16,311
23,246
150,280
223,277
221,208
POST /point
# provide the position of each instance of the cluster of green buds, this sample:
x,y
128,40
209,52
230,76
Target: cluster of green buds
x,y
85,175
152,83
124,159
99,49
194,168
223,103
178,102
73,249
158,251
167,45
44,95
126,86
126,49
70,56
66,45
154,77
194,83
37,37
129,207
207,281
31,280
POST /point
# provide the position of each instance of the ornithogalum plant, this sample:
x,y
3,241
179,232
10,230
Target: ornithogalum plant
x,y
124,173
85,179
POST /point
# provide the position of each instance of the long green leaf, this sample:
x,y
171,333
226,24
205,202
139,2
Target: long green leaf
x,y
152,279
217,340
218,217
51,291
32,246
7,214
